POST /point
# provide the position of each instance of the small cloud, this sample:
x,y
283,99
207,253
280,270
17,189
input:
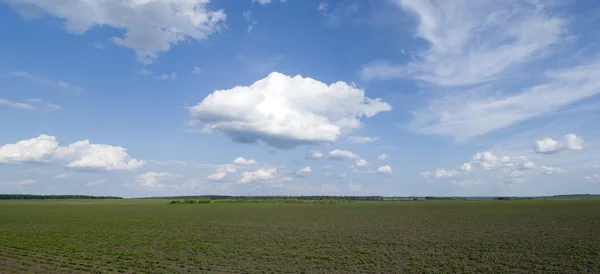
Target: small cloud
x,y
96,182
144,71
382,157
193,123
304,172
262,175
27,182
217,176
316,155
552,170
52,107
196,70
17,105
62,176
328,188
354,187
361,139
342,155
163,77
241,161
323,8
385,169
154,180
98,46
173,76
343,175
247,14
551,146
361,163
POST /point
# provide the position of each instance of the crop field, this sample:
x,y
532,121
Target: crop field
x,y
137,236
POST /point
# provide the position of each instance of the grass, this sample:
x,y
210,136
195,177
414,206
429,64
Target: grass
x,y
152,236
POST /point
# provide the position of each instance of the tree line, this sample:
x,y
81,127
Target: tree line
x,y
51,197
279,197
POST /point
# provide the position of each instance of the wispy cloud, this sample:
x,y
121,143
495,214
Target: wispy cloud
x,y
473,42
45,81
474,51
465,114
8,103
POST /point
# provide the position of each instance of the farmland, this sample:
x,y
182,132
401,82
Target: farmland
x,y
379,237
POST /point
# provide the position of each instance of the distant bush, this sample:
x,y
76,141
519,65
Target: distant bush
x,y
279,201
190,201
52,197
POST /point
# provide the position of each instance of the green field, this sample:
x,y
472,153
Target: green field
x,y
378,237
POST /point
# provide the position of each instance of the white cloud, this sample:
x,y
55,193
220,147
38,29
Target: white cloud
x,y
247,14
96,182
316,155
223,170
39,149
196,70
150,26
52,107
8,103
27,182
382,157
441,173
361,163
172,76
81,154
328,188
549,145
473,41
227,169
514,169
546,145
323,7
385,169
305,171
487,160
360,139
143,71
343,175
62,176
573,142
551,170
262,175
285,111
528,165
241,161
27,106
354,187
217,176
264,2
154,180
342,155
20,183
593,178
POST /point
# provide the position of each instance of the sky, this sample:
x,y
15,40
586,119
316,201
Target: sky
x,y
138,98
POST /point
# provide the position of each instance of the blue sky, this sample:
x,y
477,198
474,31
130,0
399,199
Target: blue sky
x,y
392,97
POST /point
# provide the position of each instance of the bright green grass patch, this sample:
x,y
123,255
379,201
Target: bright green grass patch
x,y
131,235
